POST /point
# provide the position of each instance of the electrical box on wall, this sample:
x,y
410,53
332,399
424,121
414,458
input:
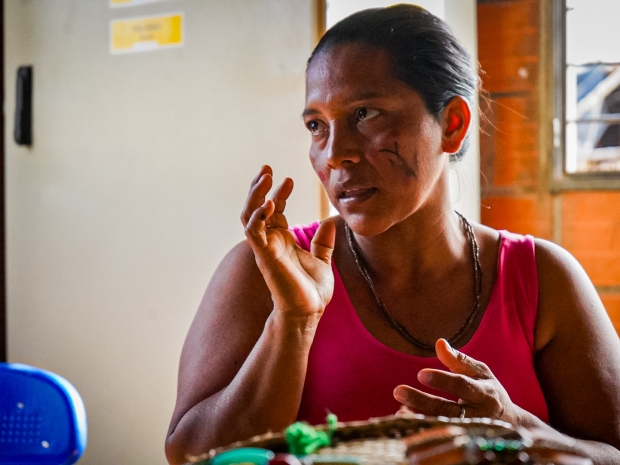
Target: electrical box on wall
x,y
23,106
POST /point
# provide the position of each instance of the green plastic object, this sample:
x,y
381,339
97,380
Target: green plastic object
x,y
243,455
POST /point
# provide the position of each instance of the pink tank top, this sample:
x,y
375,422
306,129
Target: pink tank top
x,y
352,374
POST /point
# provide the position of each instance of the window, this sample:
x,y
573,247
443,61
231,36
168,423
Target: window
x,y
586,55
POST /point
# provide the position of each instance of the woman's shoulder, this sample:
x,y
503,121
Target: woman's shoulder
x,y
565,293
237,278
547,253
567,299
486,234
550,255
496,235
551,260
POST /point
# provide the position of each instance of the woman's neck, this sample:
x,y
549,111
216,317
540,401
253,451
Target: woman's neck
x,y
428,243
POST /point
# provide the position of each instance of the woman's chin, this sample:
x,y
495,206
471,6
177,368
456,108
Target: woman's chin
x,y
365,224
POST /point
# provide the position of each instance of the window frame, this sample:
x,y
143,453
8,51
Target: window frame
x,y
553,58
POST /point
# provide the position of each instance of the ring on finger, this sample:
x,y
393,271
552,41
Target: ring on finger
x,y
462,414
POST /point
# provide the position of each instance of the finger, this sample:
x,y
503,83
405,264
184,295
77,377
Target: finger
x,y
458,362
265,169
426,404
256,196
282,193
279,197
460,386
277,220
258,191
322,245
256,226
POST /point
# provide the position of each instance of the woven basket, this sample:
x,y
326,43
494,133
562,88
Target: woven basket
x,y
417,439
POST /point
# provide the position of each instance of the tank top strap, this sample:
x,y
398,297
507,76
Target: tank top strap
x,y
518,278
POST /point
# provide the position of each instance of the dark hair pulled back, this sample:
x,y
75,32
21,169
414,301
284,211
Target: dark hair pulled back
x,y
424,53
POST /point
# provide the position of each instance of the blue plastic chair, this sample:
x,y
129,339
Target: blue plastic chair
x,y
42,417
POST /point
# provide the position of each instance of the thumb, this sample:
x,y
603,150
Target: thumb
x,y
459,363
322,245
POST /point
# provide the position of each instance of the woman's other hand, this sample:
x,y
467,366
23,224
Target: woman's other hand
x,y
472,382
301,283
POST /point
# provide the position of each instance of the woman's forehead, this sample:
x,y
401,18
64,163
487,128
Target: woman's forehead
x,y
348,60
350,68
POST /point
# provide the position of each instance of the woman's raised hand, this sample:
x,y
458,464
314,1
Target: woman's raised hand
x,y
301,283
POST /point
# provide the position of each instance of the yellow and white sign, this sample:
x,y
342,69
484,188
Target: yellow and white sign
x,y
119,3
146,33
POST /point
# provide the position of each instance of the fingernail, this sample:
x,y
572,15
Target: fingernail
x,y
452,349
425,377
399,393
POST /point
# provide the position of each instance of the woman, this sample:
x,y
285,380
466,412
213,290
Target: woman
x,y
398,300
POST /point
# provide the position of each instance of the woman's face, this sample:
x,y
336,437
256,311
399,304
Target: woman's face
x,y
375,147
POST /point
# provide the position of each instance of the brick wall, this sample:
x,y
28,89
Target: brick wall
x,y
515,187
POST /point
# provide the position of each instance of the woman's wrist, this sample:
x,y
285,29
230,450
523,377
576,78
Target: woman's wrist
x,y
291,328
521,417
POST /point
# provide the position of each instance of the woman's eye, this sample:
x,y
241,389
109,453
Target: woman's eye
x,y
364,114
314,127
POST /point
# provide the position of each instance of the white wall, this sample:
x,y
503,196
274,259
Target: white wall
x,y
119,213
461,16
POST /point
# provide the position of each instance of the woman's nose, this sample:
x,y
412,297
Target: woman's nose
x,y
343,146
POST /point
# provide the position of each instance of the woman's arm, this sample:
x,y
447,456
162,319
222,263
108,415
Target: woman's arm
x,y
578,355
577,362
242,368
244,360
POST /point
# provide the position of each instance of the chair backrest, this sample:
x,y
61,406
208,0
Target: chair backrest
x,y
42,417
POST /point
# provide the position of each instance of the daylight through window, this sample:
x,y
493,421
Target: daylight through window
x,y
592,112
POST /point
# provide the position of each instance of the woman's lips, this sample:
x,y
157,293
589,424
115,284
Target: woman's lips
x,y
356,196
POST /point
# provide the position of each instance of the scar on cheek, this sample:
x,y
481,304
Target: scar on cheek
x,y
403,164
321,176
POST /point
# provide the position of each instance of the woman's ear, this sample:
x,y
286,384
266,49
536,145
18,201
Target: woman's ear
x,y
456,118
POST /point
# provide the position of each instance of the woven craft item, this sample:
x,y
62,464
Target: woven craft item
x,y
418,440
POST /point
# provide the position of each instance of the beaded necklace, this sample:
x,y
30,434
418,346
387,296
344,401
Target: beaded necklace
x,y
359,260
